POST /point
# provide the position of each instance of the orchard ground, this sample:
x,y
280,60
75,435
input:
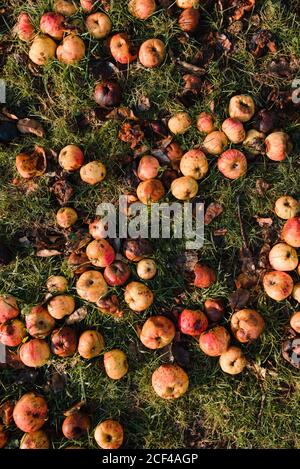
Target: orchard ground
x,y
259,408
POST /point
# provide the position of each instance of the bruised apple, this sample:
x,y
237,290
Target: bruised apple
x,y
121,48
247,325
76,425
146,269
287,207
295,322
157,332
232,164
57,284
3,437
142,9
71,158
109,434
179,123
35,353
278,285
184,188
91,286
138,296
296,290
148,168
291,232
192,322
60,306
233,361
205,123
30,165
93,172
91,344
189,20
12,333
98,25
150,191
64,342
234,130
23,28
194,164
71,50
65,7
52,23
283,257
170,381
30,412
8,308
66,217
254,142
107,94
152,53
117,273
42,49
205,276
100,253
39,322
278,146
137,249
215,341
215,142
35,440
115,364
242,108
214,310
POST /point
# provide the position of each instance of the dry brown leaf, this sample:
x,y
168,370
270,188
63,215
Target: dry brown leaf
x,y
75,408
122,113
48,253
30,126
213,210
79,315
264,221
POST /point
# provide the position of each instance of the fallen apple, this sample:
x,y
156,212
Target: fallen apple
x,y
107,94
100,253
215,341
291,232
121,49
91,286
76,425
215,142
30,412
247,325
93,172
35,353
42,50
52,23
242,107
152,53
71,158
254,142
12,333
39,322
109,434
71,50
184,188
179,123
35,440
30,165
157,332
194,164
214,310
278,146
60,306
205,123
170,381
98,25
205,276
117,273
88,5
148,168
295,322
287,207
192,322
278,285
65,7
234,130
233,361
189,20
91,344
141,9
150,191
63,342
115,364
8,308
138,296
283,257
23,28
232,164
146,269
137,249
66,217
57,284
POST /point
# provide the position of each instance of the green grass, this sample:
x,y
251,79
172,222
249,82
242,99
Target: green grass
x,y
219,411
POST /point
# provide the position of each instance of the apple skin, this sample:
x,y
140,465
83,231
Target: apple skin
x,y
138,296
100,253
93,172
152,53
214,310
23,28
66,8
215,341
121,49
247,325
64,342
295,322
170,381
76,425
241,107
233,361
12,333
142,9
157,332
60,306
278,285
137,249
66,217
109,434
148,168
91,344
234,130
232,164
180,123
39,322
115,364
187,3
146,269
52,23
287,207
192,322
35,440
71,158
205,123
205,276
91,286
278,146
88,5
35,353
8,308
184,188
194,164
291,232
215,143
30,412
283,257
107,94
117,273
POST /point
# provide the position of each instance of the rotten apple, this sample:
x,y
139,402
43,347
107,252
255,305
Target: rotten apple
x,y
100,253
63,342
109,434
117,273
35,440
93,172
278,285
137,249
157,332
90,344
30,412
76,425
8,308
242,107
121,49
57,284
66,217
205,276
141,9
150,191
12,333
205,123
39,322
60,306
215,341
23,28
192,322
107,94
247,325
42,49
52,23
214,310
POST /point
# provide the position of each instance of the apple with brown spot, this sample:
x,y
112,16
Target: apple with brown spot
x,y
91,344
192,322
12,333
39,322
35,353
121,49
215,341
100,253
247,325
91,286
138,296
30,412
8,308
205,276
71,158
109,434
157,332
115,364
63,342
117,273
35,440
278,285
76,425
60,306
170,381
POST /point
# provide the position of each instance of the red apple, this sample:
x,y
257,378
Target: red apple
x,y
35,353
142,9
121,49
148,168
205,276
117,273
189,20
234,130
12,333
23,28
88,5
215,341
107,94
52,23
291,232
205,123
194,164
3,437
232,164
278,146
30,412
100,253
150,191
71,158
215,142
192,322
71,50
64,342
76,425
214,310
278,285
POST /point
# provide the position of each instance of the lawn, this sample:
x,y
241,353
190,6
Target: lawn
x,y
258,408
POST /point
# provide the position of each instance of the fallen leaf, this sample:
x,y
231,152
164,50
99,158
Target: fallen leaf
x,y
220,232
131,134
187,67
57,382
264,221
246,281
75,408
262,187
62,190
122,113
224,42
291,351
30,126
242,7
48,253
143,103
6,412
213,210
79,315
181,354
262,42
239,299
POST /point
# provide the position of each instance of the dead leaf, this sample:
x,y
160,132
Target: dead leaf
x,y
246,281
264,221
75,408
190,68
181,354
242,7
224,42
48,253
131,134
62,190
291,351
30,126
57,382
6,412
220,232
262,42
122,113
239,299
79,315
143,103
213,210
262,187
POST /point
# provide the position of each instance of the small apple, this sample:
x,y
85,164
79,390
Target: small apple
x,y
12,333
76,425
91,286
30,412
296,291
121,49
152,53
283,257
205,123
291,232
52,23
233,361
35,353
91,344
189,20
215,142
57,284
23,28
107,94
71,50
254,142
137,249
60,306
287,207
170,381
295,322
138,296
192,322
146,269
141,9
184,188
71,158
205,276
150,191
247,325
115,364
64,342
93,172
232,164
66,217
180,123
98,25
42,49
65,7
194,164
148,168
109,434
35,440
117,273
100,253
242,107
157,332
278,146
234,130
8,308
278,285
214,310
215,341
